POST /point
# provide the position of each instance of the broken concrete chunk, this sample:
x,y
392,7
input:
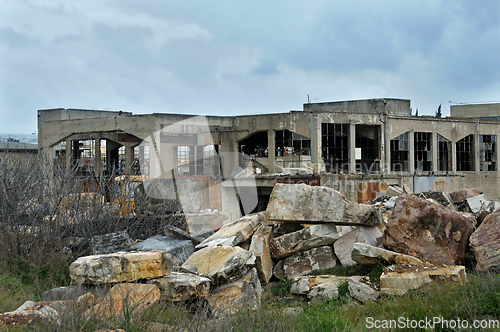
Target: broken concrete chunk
x,y
485,242
487,208
244,293
282,228
390,203
109,243
180,234
428,230
233,233
220,264
28,312
182,286
131,297
306,204
307,238
260,249
361,214
306,262
462,194
180,250
318,287
361,289
442,197
394,191
343,246
366,254
399,283
120,267
475,203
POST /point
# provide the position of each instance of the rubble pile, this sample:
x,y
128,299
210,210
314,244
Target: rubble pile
x,y
304,233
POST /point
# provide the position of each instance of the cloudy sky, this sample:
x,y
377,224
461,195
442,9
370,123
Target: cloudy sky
x,y
242,57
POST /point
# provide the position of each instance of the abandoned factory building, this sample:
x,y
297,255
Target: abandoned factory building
x,y
357,147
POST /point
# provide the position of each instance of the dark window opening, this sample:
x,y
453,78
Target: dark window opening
x,y
335,146
254,149
444,153
423,151
291,149
465,154
487,153
197,160
400,153
367,148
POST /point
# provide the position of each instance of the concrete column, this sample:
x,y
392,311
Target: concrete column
x,y
476,152
129,158
352,147
69,153
411,139
434,148
97,158
454,157
385,156
498,154
271,153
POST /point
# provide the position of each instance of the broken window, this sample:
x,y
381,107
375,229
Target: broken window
x,y
255,149
367,148
487,153
292,150
400,153
423,151
465,154
197,160
335,146
444,153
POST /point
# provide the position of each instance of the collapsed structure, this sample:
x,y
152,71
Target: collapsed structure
x,y
356,147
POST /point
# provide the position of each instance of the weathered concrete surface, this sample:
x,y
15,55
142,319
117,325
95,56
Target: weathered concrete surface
x,y
182,286
486,208
462,194
485,242
233,233
180,250
475,203
259,247
120,267
399,283
428,230
220,264
362,234
307,238
442,197
109,243
135,297
362,214
282,228
244,293
366,254
28,312
315,287
360,289
180,234
305,262
306,204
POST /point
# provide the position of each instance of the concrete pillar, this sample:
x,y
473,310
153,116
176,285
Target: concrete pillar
x,y
69,154
454,157
271,150
385,156
352,147
477,158
434,148
97,158
129,158
411,139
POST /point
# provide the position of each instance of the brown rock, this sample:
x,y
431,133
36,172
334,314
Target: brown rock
x,y
361,214
426,229
485,243
461,195
182,286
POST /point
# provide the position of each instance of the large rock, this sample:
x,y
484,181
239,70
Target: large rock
x,y
180,234
120,267
27,313
233,233
306,204
398,280
318,287
442,197
306,262
126,297
180,250
362,234
244,293
487,208
307,238
428,230
259,247
182,286
462,194
109,243
220,264
485,242
475,203
361,289
362,214
366,254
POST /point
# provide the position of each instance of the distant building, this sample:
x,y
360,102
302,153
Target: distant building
x,y
481,111
16,151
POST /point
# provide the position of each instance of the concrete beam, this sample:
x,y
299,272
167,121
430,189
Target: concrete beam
x,y
352,147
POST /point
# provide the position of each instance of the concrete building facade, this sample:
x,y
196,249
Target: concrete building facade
x,y
358,147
